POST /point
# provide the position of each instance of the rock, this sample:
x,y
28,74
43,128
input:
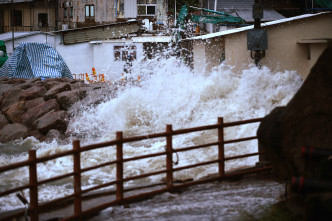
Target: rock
x,y
78,84
51,94
50,84
4,88
318,206
32,82
12,132
11,97
3,121
14,112
67,98
53,135
31,115
39,136
53,120
32,93
15,81
35,102
305,121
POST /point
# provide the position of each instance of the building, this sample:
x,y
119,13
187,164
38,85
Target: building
x,y
28,15
293,44
52,15
78,14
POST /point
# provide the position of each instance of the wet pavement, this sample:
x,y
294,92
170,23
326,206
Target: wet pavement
x,y
227,200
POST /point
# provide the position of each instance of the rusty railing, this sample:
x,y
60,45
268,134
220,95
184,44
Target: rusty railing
x,y
35,208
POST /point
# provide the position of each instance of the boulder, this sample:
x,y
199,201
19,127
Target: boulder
x,y
32,114
14,112
32,93
32,82
35,133
53,120
305,121
67,98
14,81
53,135
11,97
12,132
35,102
78,84
3,121
4,88
51,94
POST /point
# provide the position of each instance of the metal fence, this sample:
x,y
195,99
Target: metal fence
x,y
35,208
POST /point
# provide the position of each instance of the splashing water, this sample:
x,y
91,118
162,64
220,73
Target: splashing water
x,y
169,93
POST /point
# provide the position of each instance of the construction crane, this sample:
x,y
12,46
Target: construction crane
x,y
214,17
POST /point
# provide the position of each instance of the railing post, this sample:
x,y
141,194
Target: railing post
x,y
33,182
221,149
119,166
77,179
169,157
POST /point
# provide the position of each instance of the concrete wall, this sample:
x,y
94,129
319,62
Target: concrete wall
x,y
215,50
42,38
284,52
199,56
208,54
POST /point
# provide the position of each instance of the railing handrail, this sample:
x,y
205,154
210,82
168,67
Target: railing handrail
x,y
33,160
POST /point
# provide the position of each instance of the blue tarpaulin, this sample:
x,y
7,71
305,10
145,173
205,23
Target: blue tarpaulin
x,y
34,60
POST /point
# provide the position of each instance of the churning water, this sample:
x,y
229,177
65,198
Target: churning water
x,y
168,93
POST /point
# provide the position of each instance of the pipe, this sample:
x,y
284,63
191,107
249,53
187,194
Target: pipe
x,y
12,18
175,14
315,153
116,10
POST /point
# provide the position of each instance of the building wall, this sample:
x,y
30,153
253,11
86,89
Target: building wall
x,y
208,54
199,56
284,52
30,13
215,50
42,38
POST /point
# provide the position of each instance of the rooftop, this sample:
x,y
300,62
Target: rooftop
x,y
8,35
235,30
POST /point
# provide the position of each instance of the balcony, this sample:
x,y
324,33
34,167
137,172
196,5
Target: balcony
x,y
4,29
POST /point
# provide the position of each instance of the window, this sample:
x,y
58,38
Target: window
x,y
42,20
121,53
71,11
89,11
65,12
17,18
146,7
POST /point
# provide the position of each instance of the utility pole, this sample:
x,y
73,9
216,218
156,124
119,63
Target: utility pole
x,y
175,14
12,21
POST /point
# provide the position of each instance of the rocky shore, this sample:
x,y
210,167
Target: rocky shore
x,y
42,109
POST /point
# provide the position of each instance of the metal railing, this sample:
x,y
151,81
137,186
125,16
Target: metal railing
x,y
35,208
4,29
